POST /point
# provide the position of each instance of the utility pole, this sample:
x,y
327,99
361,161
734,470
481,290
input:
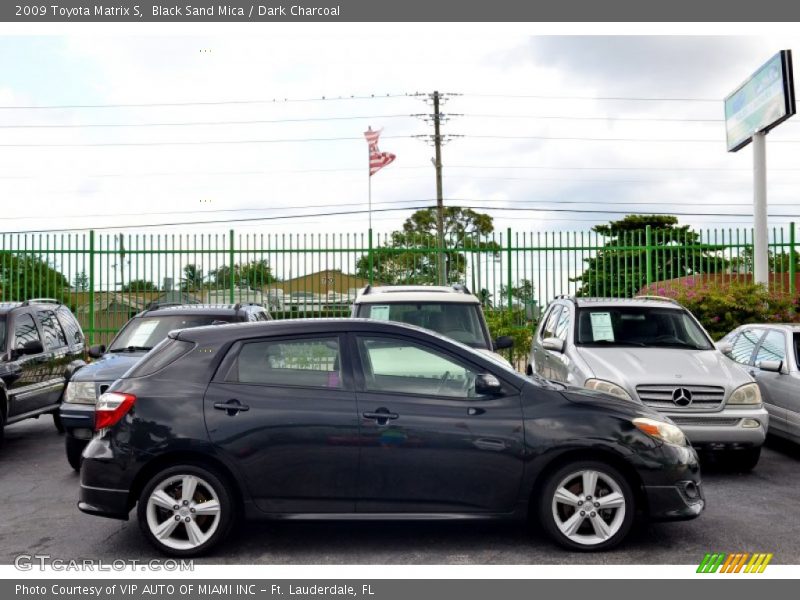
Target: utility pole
x,y
437,144
438,139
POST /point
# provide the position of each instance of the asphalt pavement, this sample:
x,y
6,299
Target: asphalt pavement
x,y
755,512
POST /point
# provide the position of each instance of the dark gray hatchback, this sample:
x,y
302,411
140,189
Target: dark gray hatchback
x,y
360,419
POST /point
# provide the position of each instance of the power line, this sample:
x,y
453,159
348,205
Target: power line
x,y
610,98
208,103
597,118
194,123
192,143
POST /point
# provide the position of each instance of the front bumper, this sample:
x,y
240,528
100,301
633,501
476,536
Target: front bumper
x,y
680,502
78,419
730,427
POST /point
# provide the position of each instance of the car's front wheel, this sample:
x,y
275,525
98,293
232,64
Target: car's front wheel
x,y
57,422
185,510
586,506
74,448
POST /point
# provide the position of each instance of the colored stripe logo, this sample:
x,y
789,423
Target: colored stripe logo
x,y
738,562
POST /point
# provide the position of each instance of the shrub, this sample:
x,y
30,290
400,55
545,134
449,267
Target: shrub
x,y
721,307
513,323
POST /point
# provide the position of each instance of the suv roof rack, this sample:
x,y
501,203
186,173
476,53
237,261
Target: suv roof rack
x,y
155,305
460,287
40,301
567,297
653,297
366,289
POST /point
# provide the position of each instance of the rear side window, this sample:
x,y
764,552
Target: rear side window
x,y
302,362
164,353
24,331
744,345
773,347
71,327
53,333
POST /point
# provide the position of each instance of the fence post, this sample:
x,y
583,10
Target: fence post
x,y
370,257
91,287
508,269
648,242
792,263
230,266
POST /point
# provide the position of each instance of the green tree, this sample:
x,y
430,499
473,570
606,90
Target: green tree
x,y
81,282
139,285
778,262
30,276
192,279
253,274
619,268
521,294
410,255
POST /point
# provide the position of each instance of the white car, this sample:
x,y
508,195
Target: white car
x,y
451,311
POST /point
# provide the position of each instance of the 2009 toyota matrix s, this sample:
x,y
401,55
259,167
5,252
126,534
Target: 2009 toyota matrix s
x,y
360,419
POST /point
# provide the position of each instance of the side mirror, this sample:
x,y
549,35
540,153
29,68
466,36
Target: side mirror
x,y
553,343
724,347
32,347
774,366
97,351
487,384
503,342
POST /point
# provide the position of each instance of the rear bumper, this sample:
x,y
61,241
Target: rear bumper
x,y
731,427
104,502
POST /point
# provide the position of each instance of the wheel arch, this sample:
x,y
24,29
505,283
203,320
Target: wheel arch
x,y
573,455
188,457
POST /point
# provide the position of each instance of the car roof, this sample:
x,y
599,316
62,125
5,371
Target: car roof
x,y
388,294
641,301
253,329
793,327
196,309
8,306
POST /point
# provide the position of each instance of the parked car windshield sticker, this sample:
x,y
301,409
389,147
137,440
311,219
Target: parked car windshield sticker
x,y
142,333
381,313
601,327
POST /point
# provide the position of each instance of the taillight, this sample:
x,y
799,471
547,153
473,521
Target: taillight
x,y
110,408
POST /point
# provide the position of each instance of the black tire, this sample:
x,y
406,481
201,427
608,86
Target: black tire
x,y
74,448
2,425
212,483
742,461
585,538
57,422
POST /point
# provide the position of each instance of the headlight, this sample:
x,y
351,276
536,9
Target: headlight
x,y
748,394
599,385
80,392
661,430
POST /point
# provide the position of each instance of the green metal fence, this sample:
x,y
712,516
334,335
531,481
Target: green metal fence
x,y
106,277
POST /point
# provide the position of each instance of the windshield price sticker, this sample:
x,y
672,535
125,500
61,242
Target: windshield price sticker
x,y
602,330
381,313
143,333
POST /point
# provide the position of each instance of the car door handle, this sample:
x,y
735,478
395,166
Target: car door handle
x,y
232,407
382,415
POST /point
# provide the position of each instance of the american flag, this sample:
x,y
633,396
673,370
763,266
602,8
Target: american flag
x,y
377,159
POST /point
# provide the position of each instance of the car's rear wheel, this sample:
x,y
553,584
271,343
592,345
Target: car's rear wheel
x,y
74,448
586,506
2,423
185,510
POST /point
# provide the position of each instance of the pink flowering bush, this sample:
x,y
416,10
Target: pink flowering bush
x,y
721,307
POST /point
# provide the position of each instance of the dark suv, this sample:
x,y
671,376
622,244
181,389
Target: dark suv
x,y
363,419
130,344
42,344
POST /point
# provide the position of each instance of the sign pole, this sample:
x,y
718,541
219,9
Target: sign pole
x,y
760,230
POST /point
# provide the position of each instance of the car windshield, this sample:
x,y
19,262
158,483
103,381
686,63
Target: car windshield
x,y
639,326
458,321
143,333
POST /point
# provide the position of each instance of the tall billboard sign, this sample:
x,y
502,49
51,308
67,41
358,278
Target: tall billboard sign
x,y
760,103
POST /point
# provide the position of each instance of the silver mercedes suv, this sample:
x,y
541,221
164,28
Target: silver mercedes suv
x,y
652,349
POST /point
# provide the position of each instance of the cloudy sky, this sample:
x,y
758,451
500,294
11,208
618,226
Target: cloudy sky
x,y
109,131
